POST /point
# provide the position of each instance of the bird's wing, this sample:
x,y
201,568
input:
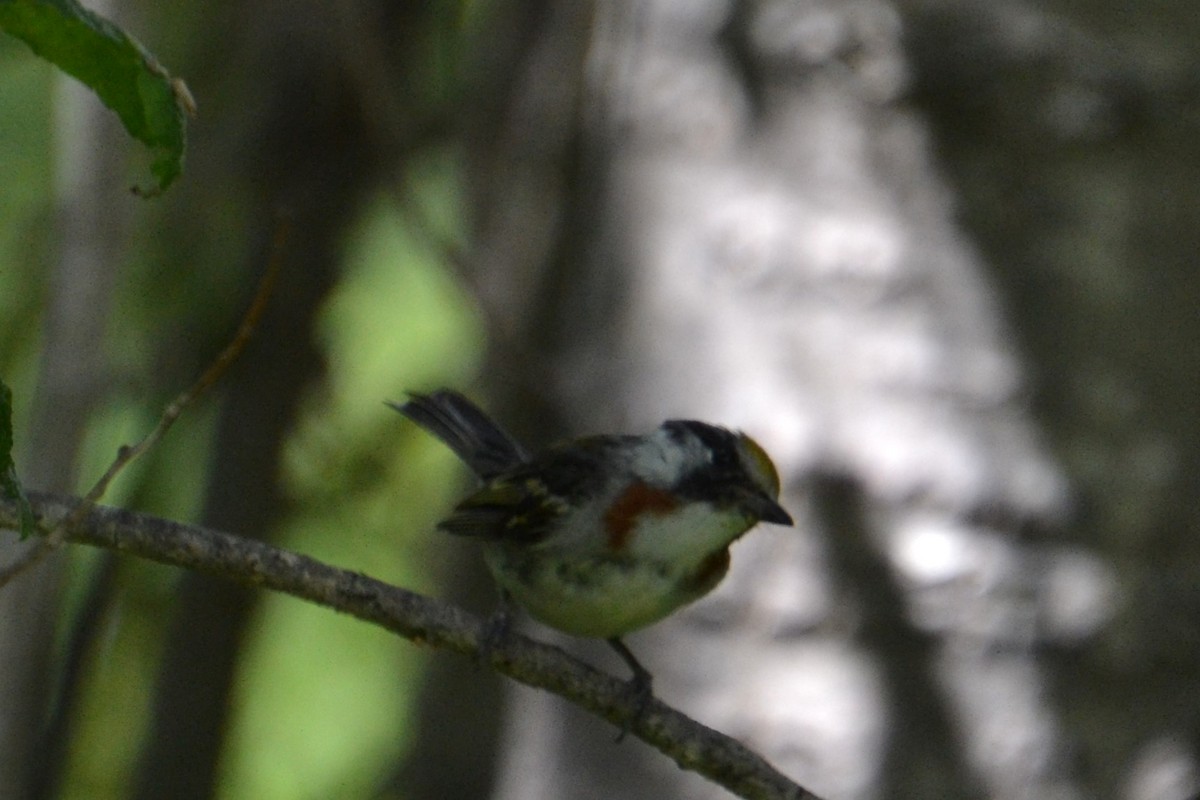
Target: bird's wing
x,y
516,510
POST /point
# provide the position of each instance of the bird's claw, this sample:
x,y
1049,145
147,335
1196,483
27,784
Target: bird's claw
x,y
640,691
497,627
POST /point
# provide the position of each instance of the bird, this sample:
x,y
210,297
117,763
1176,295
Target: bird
x,y
606,534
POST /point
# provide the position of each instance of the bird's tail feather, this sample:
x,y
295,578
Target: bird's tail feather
x,y
466,429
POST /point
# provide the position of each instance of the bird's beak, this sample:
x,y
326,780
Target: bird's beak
x,y
768,510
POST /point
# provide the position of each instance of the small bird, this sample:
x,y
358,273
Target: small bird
x,y
603,535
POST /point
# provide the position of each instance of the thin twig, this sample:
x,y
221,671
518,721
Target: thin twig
x,y
216,369
692,746
127,453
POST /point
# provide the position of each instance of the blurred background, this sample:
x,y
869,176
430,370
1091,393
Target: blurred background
x,y
939,257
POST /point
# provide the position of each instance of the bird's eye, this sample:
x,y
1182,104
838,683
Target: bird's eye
x,y
725,459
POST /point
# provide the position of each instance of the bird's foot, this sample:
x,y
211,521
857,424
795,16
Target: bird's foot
x,y
640,688
495,630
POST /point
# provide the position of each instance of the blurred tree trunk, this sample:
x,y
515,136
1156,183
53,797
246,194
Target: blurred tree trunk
x,y
727,212
302,154
72,374
1070,130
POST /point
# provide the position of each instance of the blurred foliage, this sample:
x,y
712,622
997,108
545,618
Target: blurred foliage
x,y
26,202
367,490
321,698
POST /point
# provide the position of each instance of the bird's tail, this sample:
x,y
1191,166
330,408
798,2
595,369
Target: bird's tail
x,y
466,429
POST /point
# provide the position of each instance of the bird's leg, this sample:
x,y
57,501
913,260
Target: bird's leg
x,y
641,685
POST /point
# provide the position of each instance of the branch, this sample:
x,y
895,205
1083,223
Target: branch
x,y
714,755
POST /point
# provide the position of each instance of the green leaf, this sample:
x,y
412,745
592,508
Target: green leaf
x,y
151,104
10,487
